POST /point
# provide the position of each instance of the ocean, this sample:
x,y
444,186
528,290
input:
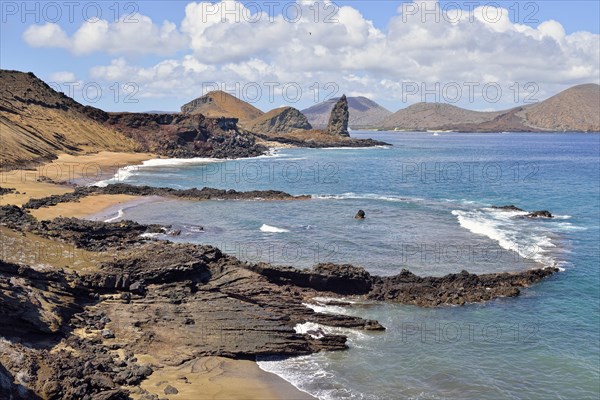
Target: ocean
x,y
428,201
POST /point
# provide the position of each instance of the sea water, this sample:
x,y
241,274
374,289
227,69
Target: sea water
x,y
428,202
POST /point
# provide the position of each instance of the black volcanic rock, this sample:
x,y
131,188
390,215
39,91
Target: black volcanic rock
x,y
180,301
338,120
184,135
124,188
455,289
540,214
508,208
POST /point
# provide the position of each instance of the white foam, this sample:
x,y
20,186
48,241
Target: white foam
x,y
272,229
150,235
128,171
316,331
530,241
120,214
364,196
325,309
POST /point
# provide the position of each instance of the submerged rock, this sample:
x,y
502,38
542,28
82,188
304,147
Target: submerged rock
x,y
540,214
508,208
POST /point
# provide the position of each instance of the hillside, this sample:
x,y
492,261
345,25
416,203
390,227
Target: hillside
x,y
423,116
221,104
38,123
364,113
575,109
279,120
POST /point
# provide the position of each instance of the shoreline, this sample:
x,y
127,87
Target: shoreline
x,y
218,377
221,378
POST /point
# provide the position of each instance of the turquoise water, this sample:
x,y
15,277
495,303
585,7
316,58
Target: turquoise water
x,y
427,202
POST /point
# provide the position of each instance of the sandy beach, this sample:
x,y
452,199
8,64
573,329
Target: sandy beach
x,y
42,180
212,378
216,378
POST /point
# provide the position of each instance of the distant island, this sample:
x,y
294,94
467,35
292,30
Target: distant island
x,y
573,110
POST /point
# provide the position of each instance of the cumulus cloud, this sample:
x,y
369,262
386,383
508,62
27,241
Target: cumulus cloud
x,y
231,42
134,35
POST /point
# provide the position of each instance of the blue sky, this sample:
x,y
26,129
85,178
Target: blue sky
x,y
371,49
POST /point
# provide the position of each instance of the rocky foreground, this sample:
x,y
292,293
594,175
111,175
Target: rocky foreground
x,y
81,334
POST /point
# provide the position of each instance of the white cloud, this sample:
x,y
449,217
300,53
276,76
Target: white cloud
x,y
229,42
63,76
134,35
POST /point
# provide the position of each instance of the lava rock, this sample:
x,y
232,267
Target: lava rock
x,y
338,120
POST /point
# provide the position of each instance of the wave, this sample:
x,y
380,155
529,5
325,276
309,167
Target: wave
x,y
312,373
128,171
365,196
120,214
529,239
272,229
325,309
151,235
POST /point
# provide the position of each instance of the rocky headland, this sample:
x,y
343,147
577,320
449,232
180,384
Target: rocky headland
x,y
70,333
38,124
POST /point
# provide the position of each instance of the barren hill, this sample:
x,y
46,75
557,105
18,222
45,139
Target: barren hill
x,y
364,112
37,123
217,104
423,116
575,109
279,120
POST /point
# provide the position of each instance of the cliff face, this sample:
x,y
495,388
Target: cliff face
x,y
181,136
279,120
338,120
37,123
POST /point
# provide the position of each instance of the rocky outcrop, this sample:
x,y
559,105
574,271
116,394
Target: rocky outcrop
x,y
319,139
184,136
279,120
188,194
364,113
72,334
453,289
338,120
540,214
340,279
510,207
4,190
533,214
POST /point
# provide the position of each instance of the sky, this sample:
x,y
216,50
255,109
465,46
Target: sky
x,y
158,55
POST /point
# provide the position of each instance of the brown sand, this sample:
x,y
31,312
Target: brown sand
x,y
216,378
84,168
85,207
